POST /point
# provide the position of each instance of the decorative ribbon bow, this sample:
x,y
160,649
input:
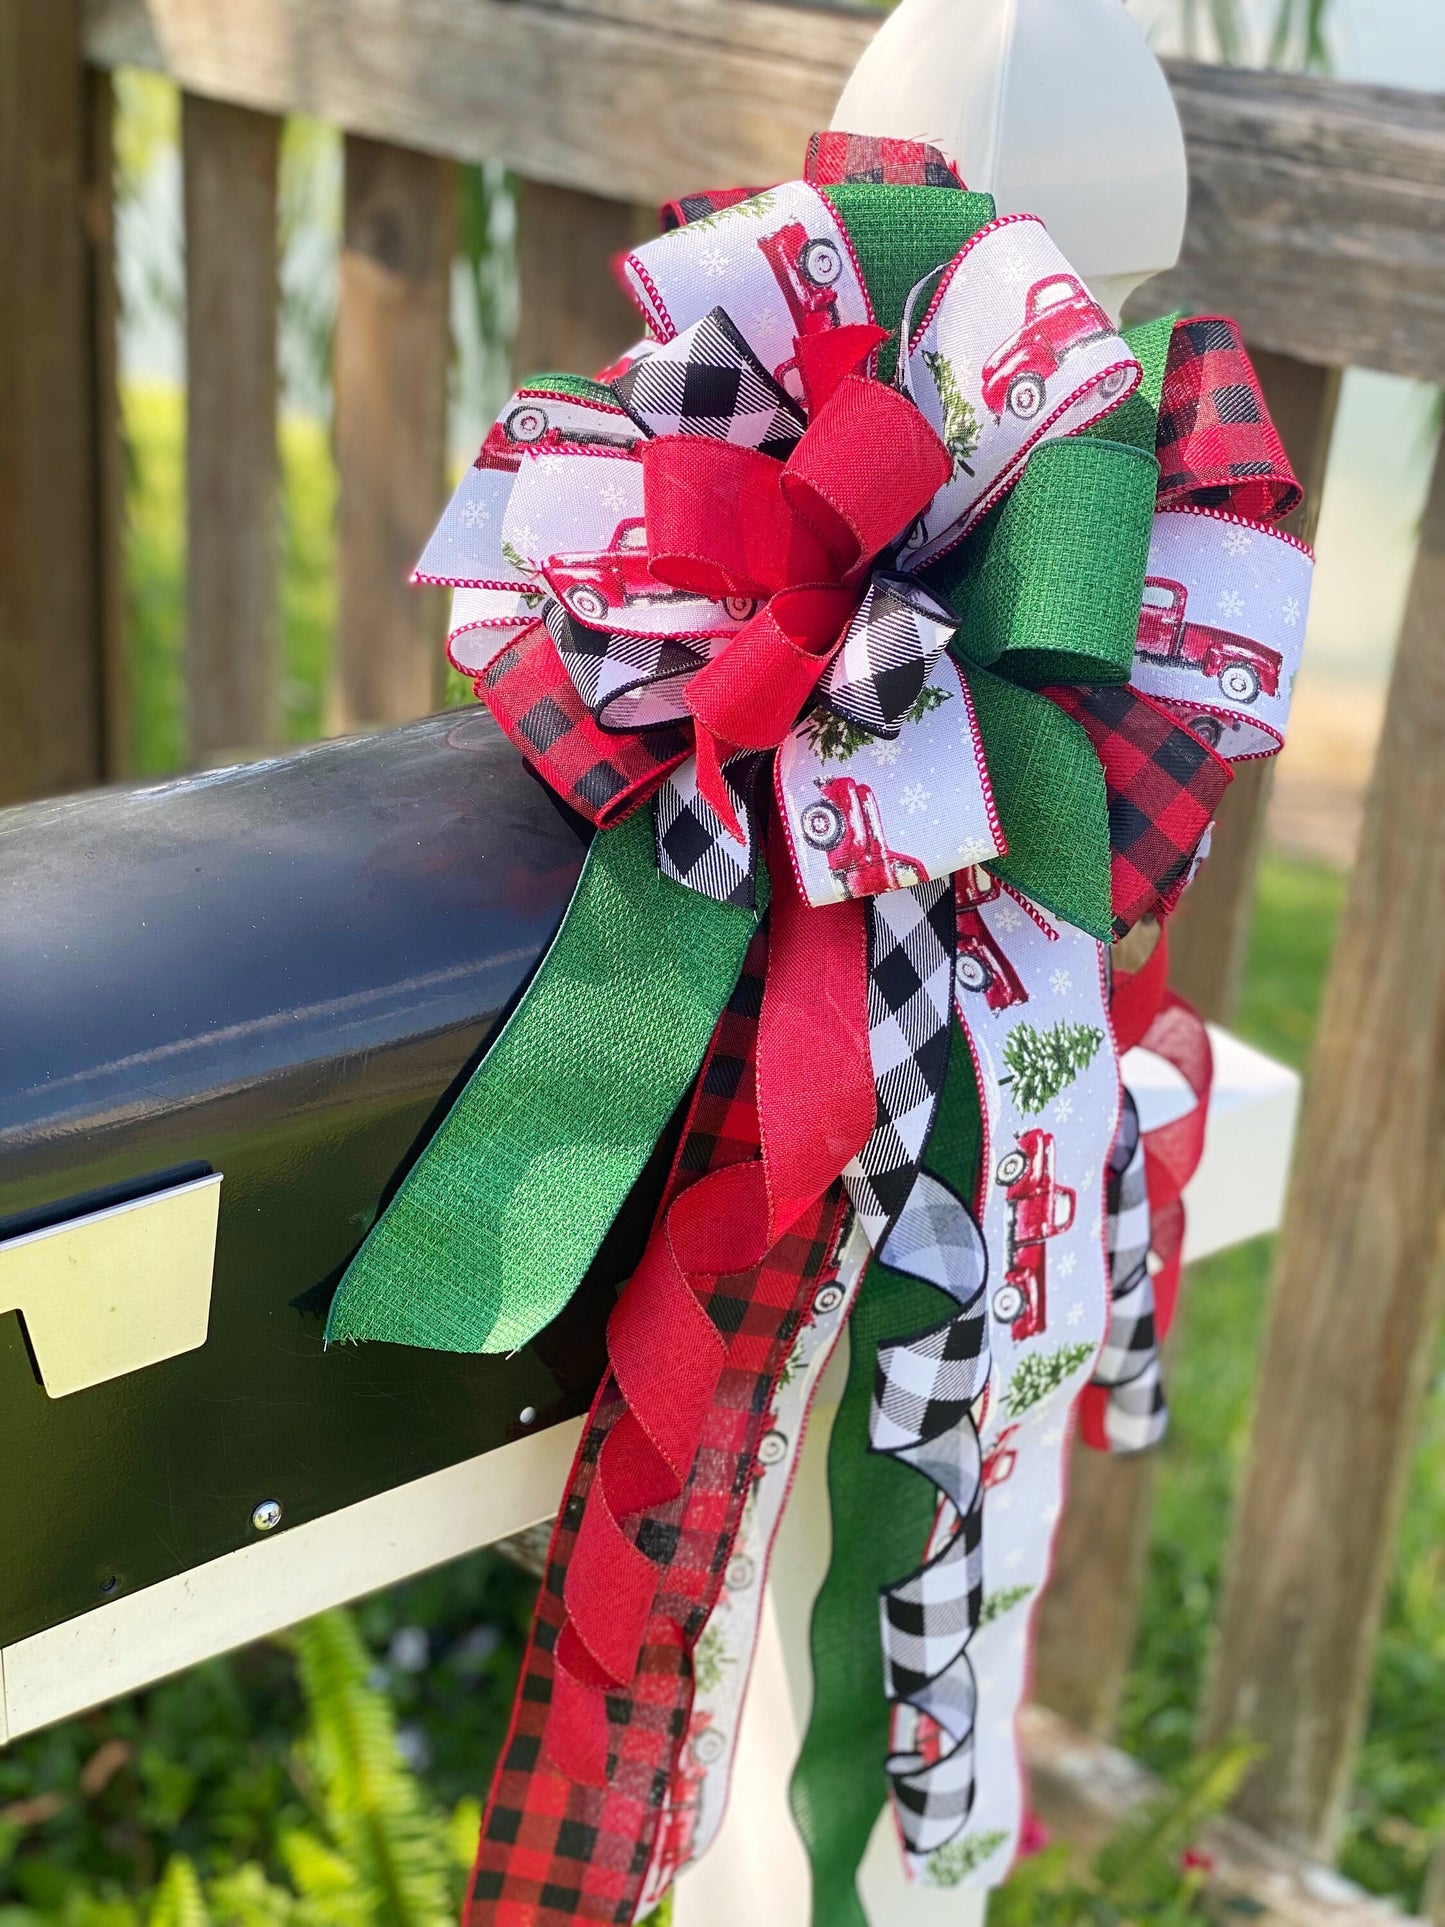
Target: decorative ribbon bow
x,y
736,524
837,565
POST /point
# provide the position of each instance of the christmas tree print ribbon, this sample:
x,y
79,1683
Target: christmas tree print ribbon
x,y
829,606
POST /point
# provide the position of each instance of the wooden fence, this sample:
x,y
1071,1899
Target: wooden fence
x,y
1317,217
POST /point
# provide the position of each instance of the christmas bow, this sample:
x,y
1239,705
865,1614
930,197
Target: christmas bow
x,y
845,565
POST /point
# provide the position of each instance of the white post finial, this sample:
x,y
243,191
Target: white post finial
x,y
1055,107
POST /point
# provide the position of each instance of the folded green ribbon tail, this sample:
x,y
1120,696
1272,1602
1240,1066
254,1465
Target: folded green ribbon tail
x,y
496,1223
882,1514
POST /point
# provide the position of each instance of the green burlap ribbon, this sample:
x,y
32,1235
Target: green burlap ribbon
x,y
882,1511
495,1224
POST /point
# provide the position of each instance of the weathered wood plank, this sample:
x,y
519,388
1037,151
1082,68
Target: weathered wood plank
x,y
573,314
51,669
1317,215
633,102
393,343
1089,1619
1359,1284
1083,1788
232,470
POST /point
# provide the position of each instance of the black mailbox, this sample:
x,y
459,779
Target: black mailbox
x,y
277,974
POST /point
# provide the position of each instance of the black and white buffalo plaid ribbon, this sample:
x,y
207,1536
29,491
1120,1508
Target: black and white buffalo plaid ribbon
x,y
911,938
924,1391
628,682
694,848
1136,1415
890,650
707,381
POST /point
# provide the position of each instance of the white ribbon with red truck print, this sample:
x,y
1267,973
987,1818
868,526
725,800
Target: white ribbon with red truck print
x,y
1223,626
1031,995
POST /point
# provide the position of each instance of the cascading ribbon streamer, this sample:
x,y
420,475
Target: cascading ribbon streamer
x,y
894,620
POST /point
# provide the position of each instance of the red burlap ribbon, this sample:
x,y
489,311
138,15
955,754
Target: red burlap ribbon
x,y
799,536
816,1108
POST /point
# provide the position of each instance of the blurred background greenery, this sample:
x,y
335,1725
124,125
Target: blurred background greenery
x,y
331,1778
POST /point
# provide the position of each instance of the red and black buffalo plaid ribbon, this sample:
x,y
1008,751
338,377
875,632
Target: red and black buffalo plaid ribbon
x,y
1216,444
1163,787
604,777
696,207
835,158
553,1850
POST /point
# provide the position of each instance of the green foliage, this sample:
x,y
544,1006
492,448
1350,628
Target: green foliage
x,y
155,515
384,1856
1140,1874
833,739
1042,1062
961,429
178,1900
368,1847
1296,36
1037,1374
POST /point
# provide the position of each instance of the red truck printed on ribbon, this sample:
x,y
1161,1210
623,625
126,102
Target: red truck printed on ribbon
x,y
1039,1209
1000,1459
678,1826
595,586
1167,638
807,270
981,963
846,824
1060,318
527,426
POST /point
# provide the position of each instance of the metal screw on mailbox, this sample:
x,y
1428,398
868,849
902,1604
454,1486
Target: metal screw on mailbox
x,y
267,1515
527,1415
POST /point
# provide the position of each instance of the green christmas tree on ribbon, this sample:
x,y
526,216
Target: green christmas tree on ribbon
x,y
1042,1062
960,422
1038,1374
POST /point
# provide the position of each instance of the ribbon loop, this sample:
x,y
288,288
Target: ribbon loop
x,y
866,469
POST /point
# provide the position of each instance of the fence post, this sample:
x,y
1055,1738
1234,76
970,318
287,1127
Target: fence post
x,y
573,315
54,415
115,680
1089,1618
233,612
1358,1285
393,347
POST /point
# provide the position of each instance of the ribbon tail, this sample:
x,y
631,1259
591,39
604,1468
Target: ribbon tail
x,y
711,784
498,1220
